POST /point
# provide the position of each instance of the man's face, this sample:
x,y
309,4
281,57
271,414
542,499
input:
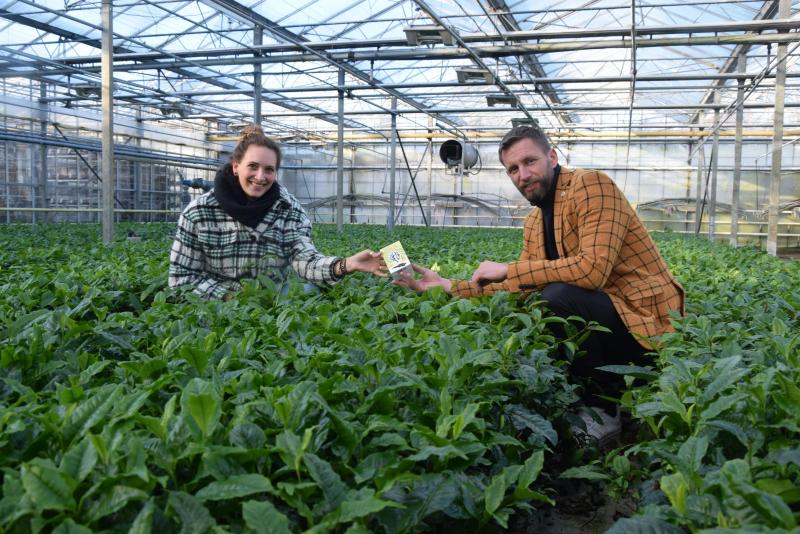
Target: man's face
x,y
530,168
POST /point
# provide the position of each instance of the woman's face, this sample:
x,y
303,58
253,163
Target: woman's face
x,y
257,171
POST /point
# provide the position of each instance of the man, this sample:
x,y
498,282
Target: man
x,y
588,253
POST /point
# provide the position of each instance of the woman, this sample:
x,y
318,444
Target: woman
x,y
247,225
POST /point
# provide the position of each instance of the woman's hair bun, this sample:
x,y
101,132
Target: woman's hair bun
x,y
253,129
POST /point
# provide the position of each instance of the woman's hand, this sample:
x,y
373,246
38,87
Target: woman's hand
x,y
367,261
429,279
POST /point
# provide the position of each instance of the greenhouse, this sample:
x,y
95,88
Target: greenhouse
x,y
600,331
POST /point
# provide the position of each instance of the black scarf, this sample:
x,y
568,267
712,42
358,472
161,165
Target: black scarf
x,y
235,202
547,206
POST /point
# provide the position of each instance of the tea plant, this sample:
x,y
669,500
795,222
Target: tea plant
x,y
723,414
126,406
129,406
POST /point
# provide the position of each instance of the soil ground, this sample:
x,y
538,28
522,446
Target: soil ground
x,y
581,507
592,512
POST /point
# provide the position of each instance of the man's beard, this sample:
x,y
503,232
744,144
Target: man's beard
x,y
537,196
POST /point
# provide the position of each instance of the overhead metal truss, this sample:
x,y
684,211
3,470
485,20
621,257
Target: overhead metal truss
x,y
564,63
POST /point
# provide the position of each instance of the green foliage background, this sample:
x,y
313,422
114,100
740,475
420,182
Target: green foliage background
x,y
125,406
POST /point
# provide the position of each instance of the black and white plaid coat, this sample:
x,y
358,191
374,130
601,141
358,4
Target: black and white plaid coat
x,y
212,252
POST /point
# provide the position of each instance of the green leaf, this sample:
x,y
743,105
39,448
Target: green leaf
x,y
114,499
621,465
135,464
464,419
732,428
92,411
692,452
79,461
674,404
100,445
169,411
728,375
68,526
290,448
46,486
263,518
791,389
522,494
363,507
531,469
585,472
675,488
494,494
443,453
234,487
773,510
327,479
736,470
153,424
721,404
522,418
197,357
201,401
635,371
775,486
373,464
643,525
345,430
649,409
194,517
435,492
143,523
220,464
247,436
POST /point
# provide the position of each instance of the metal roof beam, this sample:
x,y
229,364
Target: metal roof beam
x,y
530,62
767,11
338,58
251,17
484,109
177,69
515,36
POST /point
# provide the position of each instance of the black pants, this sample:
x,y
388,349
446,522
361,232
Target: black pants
x,y
617,347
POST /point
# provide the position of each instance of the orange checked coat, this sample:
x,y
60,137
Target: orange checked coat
x,y
602,245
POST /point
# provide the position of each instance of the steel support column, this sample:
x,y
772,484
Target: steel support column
x,y
41,179
107,76
340,158
777,140
701,167
258,36
737,153
430,170
712,196
392,167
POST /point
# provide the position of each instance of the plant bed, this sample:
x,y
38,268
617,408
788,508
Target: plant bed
x,y
126,405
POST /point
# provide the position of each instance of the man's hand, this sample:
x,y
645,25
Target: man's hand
x,y
429,279
490,271
367,261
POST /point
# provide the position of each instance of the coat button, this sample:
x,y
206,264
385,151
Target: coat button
x,y
253,238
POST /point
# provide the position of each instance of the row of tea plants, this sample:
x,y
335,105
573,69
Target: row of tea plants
x,y
720,415
130,407
126,406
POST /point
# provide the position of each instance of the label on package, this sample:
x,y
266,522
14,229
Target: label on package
x,y
396,260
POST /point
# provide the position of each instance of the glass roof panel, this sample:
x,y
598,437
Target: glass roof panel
x,y
200,53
